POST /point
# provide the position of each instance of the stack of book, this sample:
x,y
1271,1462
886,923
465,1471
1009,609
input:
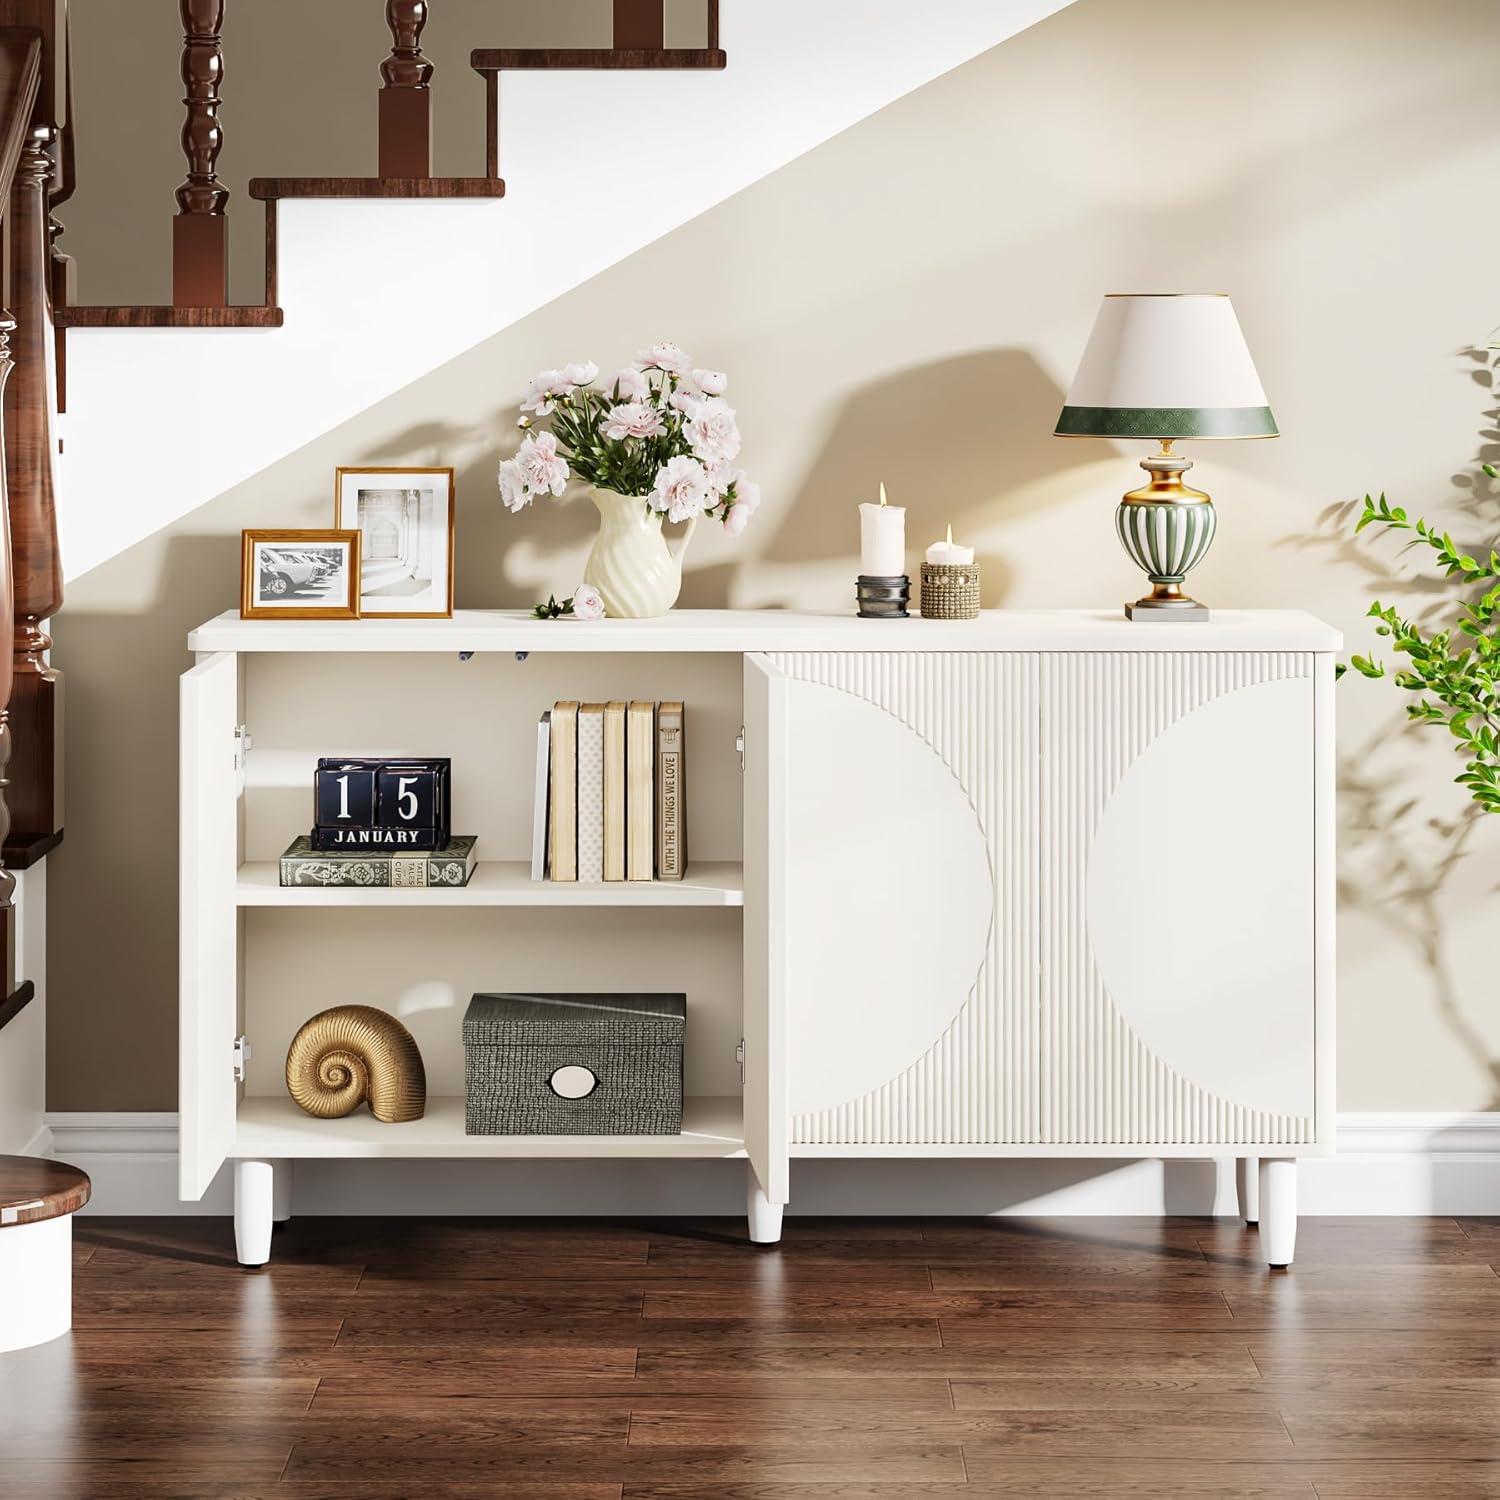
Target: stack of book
x,y
449,866
610,786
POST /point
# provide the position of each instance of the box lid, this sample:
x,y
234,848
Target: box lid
x,y
499,1018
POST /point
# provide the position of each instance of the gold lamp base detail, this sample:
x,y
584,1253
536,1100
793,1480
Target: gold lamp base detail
x,y
1167,528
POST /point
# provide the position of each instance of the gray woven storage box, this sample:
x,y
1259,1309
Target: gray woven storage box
x,y
574,1064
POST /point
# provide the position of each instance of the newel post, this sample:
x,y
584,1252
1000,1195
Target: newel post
x,y
405,94
30,396
200,232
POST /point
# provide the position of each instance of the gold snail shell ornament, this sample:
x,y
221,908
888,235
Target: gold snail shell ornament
x,y
354,1054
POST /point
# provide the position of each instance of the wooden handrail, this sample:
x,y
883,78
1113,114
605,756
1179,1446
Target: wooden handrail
x,y
20,84
30,449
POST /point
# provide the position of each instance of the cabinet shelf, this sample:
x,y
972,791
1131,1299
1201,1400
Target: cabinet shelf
x,y
502,883
711,1127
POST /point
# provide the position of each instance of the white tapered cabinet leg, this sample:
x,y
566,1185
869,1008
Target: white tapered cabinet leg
x,y
36,1282
1247,1184
254,1196
765,1216
1278,1210
281,1192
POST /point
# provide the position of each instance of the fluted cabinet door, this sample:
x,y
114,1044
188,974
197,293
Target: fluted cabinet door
x,y
1177,898
910,897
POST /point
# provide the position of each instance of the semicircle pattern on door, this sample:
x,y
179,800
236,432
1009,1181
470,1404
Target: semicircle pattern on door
x,y
1177,898
912,1009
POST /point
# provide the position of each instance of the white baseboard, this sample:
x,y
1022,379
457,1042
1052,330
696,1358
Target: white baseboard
x,y
1386,1164
40,1144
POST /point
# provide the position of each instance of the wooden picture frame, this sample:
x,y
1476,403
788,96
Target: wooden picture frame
x,y
285,574
406,539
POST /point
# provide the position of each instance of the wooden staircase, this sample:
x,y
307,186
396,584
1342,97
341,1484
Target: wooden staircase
x,y
404,150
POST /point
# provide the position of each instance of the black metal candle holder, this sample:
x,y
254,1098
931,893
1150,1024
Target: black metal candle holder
x,y
883,597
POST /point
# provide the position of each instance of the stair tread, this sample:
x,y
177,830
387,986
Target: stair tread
x,y
496,59
377,187
112,316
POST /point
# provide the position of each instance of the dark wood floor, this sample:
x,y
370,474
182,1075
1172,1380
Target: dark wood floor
x,y
590,1361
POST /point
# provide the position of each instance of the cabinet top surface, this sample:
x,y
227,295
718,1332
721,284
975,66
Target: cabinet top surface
x,y
733,630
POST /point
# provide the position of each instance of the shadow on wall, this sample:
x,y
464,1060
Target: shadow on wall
x,y
1399,858
957,441
121,843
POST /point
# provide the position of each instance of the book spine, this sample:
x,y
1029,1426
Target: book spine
x,y
563,839
671,855
640,796
403,870
541,793
591,792
305,870
614,791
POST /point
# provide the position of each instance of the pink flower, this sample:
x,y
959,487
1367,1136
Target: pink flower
x,y
542,391
542,467
736,519
681,489
666,357
684,399
711,382
630,384
746,492
743,505
584,373
711,430
634,419
587,605
513,490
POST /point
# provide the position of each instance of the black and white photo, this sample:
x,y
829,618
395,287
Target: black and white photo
x,y
405,521
299,575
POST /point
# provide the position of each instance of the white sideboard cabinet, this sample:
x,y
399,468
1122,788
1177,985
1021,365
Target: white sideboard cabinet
x,y
1039,884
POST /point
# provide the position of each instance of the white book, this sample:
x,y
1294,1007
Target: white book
x,y
591,791
539,807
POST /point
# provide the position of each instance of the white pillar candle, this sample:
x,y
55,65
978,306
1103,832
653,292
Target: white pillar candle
x,y
882,539
949,552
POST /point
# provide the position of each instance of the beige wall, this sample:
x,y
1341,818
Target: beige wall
x,y
906,303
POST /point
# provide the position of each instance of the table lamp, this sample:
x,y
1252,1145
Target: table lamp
x,y
1169,366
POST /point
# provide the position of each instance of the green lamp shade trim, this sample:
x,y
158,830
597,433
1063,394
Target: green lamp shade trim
x,y
1167,422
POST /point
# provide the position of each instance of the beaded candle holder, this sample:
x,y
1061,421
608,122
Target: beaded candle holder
x,y
950,591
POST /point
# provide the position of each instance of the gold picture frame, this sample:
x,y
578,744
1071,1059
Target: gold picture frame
x,y
285,574
407,534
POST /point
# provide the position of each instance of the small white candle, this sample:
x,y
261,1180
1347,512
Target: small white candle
x,y
948,552
882,539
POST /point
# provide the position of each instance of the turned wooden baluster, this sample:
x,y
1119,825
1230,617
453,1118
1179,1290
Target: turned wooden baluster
x,y
200,232
405,96
29,400
639,25
7,606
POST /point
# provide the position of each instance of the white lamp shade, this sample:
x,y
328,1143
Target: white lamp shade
x,y
1166,366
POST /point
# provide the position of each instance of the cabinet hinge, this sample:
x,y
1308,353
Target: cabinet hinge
x,y
241,1057
739,1057
242,743
739,744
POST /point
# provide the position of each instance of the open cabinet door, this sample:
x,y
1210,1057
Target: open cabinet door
x,y
207,957
767,754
